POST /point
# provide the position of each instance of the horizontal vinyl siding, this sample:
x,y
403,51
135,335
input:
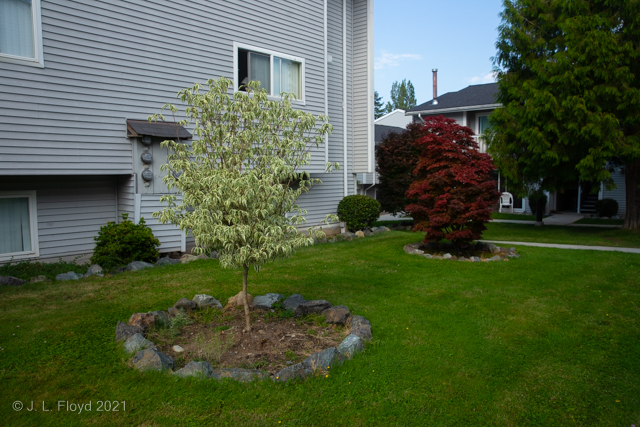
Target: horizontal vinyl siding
x,y
108,61
71,210
618,194
169,235
126,194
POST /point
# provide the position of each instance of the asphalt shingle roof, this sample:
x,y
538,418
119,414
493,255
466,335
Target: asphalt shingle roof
x,y
383,130
472,95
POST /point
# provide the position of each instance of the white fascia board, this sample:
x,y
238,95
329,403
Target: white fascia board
x,y
390,114
455,109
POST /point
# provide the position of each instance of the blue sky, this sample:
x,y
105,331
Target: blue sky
x,y
455,36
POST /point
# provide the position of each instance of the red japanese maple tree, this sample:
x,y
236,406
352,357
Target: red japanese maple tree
x,y
453,191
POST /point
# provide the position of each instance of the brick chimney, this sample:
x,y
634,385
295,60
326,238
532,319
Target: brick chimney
x,y
435,83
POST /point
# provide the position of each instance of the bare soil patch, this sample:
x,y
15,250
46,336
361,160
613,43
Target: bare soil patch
x,y
274,342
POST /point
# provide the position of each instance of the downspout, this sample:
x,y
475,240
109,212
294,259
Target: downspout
x,y
344,96
326,85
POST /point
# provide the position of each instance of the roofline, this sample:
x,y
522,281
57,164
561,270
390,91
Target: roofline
x,y
388,114
454,109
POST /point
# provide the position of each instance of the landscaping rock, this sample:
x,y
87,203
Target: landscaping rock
x,y
428,256
173,312
299,371
446,256
213,255
94,270
351,345
72,275
410,248
322,240
417,252
138,265
386,229
496,258
324,360
359,233
361,327
347,235
11,281
161,318
314,306
195,369
368,233
462,259
293,302
124,331
493,248
238,300
264,302
177,349
167,261
238,374
202,256
187,258
337,315
476,259
185,304
136,343
204,301
379,230
142,320
38,279
151,359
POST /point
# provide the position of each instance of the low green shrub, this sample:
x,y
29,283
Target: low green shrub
x,y
25,270
606,208
120,244
533,201
358,211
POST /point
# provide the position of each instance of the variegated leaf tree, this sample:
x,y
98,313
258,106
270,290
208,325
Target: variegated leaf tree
x,y
240,177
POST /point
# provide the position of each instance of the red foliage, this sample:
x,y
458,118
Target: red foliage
x,y
453,192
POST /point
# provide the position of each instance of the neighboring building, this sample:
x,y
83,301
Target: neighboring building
x,y
79,79
368,182
396,118
472,107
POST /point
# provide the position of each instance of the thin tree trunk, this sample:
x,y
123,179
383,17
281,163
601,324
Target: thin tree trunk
x,y
632,192
245,274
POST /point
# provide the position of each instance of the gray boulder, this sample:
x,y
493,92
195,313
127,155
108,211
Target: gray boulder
x,y
124,331
337,315
264,302
416,252
361,327
185,304
379,230
324,360
138,265
496,258
195,369
94,270
136,343
151,359
173,312
11,281
351,345
161,318
38,279
187,258
204,301
427,256
293,302
213,255
299,371
493,248
346,236
368,233
446,256
476,259
67,276
238,374
167,261
313,306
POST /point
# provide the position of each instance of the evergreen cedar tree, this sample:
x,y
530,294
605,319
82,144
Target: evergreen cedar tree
x,y
453,191
569,84
396,158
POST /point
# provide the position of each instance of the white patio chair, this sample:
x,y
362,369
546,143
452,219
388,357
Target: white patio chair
x,y
506,200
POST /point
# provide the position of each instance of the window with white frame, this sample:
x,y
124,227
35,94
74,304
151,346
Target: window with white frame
x,y
21,32
18,225
483,126
276,72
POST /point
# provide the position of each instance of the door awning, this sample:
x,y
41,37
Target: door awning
x,y
167,130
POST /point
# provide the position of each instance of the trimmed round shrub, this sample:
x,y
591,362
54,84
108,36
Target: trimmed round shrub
x,y
607,207
120,244
533,201
358,211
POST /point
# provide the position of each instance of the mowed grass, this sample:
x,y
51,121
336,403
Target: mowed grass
x,y
600,221
590,236
550,339
513,216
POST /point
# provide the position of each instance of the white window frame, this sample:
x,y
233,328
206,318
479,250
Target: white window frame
x,y
38,59
271,53
33,224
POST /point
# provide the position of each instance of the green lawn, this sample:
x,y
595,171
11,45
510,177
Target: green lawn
x,y
512,216
591,236
550,339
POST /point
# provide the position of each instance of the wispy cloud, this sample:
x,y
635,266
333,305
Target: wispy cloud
x,y
388,60
488,78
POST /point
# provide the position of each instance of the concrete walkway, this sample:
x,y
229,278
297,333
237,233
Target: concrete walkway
x,y
559,246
